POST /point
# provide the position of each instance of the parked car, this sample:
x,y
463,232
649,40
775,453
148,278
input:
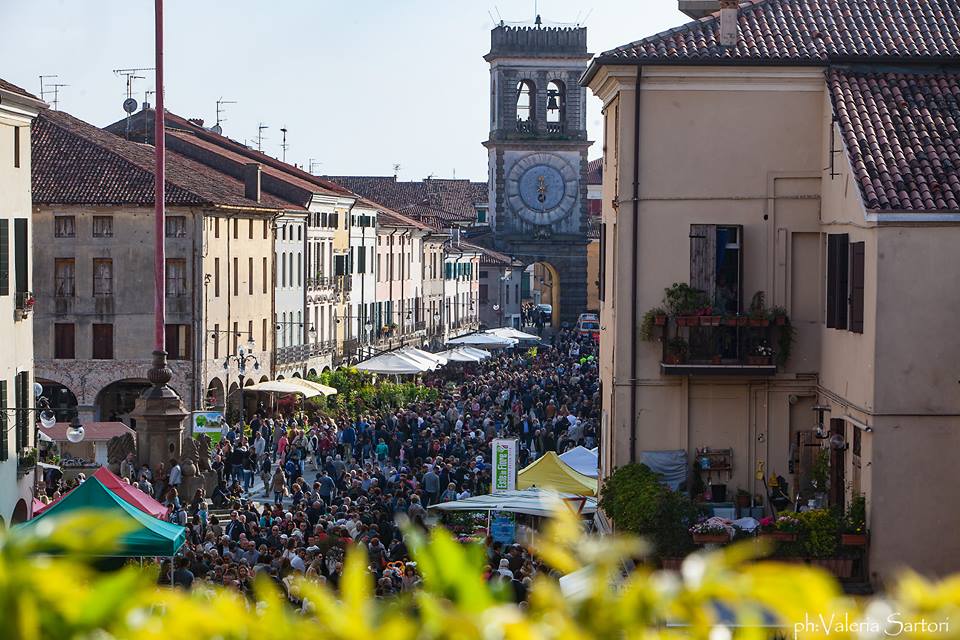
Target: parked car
x,y
546,312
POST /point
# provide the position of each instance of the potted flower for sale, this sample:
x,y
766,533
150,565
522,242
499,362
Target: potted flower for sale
x,y
783,529
708,532
854,532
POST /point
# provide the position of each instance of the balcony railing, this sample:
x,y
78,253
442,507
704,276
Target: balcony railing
x,y
324,282
721,345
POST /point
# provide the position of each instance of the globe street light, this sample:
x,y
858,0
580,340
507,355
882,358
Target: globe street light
x,y
244,355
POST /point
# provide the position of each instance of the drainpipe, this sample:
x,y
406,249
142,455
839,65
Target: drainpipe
x,y
635,268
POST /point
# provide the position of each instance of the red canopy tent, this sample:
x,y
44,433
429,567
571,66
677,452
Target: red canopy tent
x,y
126,492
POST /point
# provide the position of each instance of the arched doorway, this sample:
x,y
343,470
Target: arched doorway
x,y
115,401
62,400
214,397
540,292
20,512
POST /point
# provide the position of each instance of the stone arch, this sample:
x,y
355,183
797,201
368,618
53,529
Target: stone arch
x,y
280,377
526,101
296,374
115,401
20,512
214,398
312,373
264,378
62,399
545,288
556,101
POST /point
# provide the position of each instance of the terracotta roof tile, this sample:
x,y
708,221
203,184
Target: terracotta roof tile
x,y
902,133
12,88
75,162
810,32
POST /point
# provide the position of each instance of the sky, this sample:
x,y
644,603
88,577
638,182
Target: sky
x,y
360,85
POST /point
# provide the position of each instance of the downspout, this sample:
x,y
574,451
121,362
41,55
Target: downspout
x,y
635,267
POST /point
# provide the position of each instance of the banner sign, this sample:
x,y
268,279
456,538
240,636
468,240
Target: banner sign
x,y
206,421
504,465
503,527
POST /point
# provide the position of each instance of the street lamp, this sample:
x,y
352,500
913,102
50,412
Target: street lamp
x,y
244,355
75,431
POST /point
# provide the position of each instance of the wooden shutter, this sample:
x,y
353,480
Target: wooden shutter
x,y
4,257
857,257
23,403
703,258
20,249
4,422
63,338
831,281
837,280
103,342
602,279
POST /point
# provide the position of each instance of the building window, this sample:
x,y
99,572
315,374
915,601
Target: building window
x,y
103,342
216,277
4,433
64,226
483,294
176,277
236,276
236,336
175,226
263,276
265,230
216,227
63,341
216,342
236,227
4,257
283,269
299,269
857,258
250,276
838,283
102,277
526,101
716,264
250,228
16,147
602,279
21,251
102,226
178,341
263,334
556,102
64,273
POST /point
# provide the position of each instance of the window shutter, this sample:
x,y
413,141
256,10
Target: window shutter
x,y
703,259
602,280
843,279
4,257
23,402
4,421
857,257
832,281
20,248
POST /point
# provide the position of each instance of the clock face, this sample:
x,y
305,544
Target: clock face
x,y
542,188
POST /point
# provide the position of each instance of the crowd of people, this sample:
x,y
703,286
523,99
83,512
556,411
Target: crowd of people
x,y
329,480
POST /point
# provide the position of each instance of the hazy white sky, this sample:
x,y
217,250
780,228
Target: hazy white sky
x,y
361,85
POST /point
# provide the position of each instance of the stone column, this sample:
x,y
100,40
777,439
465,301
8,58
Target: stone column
x,y
159,414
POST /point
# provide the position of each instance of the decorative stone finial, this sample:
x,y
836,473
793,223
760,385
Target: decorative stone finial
x,y
159,374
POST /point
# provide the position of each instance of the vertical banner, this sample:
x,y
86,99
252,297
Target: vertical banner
x,y
504,465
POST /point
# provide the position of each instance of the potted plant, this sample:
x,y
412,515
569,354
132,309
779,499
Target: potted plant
x,y
730,320
758,310
820,537
855,524
788,334
779,317
784,529
655,317
743,499
708,532
683,302
677,349
760,355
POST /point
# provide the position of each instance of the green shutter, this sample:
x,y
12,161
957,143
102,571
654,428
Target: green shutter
x,y
4,422
4,257
20,249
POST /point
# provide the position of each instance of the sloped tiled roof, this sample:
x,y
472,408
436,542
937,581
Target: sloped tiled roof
x,y
807,32
12,88
75,162
595,171
438,202
902,132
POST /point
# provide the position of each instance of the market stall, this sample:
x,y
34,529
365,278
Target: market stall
x,y
582,460
550,472
533,501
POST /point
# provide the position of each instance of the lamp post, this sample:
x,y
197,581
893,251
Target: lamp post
x,y
243,356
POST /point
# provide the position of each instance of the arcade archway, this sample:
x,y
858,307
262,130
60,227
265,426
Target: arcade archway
x,y
62,400
540,293
116,401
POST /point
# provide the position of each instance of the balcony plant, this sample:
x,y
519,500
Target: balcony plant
x,y
785,339
760,354
683,302
779,316
758,310
743,498
27,459
855,524
677,349
656,317
782,529
707,532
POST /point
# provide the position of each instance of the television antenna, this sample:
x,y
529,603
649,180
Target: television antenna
x,y
284,145
260,128
146,97
221,110
48,88
131,75
313,163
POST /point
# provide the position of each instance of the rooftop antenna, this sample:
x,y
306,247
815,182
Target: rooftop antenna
x,y
146,97
260,128
43,90
396,170
313,163
220,110
284,145
131,75
47,88
56,93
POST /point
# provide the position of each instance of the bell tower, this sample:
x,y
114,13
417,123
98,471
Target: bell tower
x,y
537,153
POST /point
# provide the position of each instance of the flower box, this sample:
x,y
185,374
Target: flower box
x,y
759,322
660,320
743,321
781,536
730,322
853,539
673,358
838,566
710,538
780,321
758,361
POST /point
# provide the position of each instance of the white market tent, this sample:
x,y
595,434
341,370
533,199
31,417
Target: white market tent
x,y
393,363
483,340
473,351
533,502
460,354
438,360
510,332
316,386
582,460
285,386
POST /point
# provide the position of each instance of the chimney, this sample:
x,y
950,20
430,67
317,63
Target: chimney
x,y
251,181
728,23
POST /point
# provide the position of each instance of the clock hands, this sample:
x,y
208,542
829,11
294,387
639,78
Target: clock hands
x,y
542,189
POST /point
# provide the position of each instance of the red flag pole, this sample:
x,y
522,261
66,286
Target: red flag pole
x,y
159,143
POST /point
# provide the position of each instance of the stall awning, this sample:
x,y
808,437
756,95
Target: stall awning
x,y
516,334
283,386
393,363
550,472
582,460
483,340
130,493
534,502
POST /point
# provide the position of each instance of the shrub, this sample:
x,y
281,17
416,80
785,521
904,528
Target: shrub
x,y
820,533
856,518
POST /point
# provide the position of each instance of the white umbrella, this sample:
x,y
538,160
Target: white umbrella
x,y
313,386
433,357
393,363
429,363
479,353
283,386
460,354
510,332
533,501
582,460
483,340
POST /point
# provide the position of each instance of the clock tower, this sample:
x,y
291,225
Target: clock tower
x,y
538,154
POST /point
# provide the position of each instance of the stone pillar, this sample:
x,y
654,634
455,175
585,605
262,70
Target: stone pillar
x,y
159,414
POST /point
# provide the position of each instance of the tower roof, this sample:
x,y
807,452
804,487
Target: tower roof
x,y
510,41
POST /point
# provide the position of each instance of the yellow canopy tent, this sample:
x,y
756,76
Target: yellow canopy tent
x,y
550,472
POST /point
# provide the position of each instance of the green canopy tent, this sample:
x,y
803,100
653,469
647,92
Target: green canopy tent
x,y
147,536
